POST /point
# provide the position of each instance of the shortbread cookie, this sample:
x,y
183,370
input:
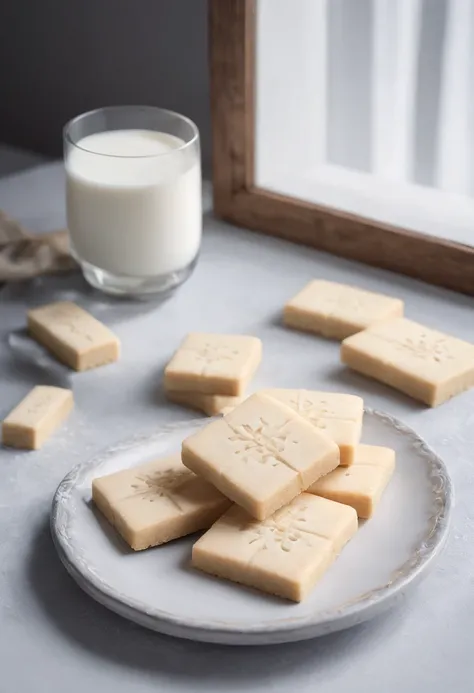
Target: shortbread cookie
x,y
214,364
261,455
285,554
212,405
339,416
363,484
337,311
73,336
40,413
424,363
156,502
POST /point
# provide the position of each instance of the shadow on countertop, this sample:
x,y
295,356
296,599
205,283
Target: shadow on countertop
x,y
105,635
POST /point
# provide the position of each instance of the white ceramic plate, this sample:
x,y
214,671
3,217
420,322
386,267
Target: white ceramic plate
x,y
159,589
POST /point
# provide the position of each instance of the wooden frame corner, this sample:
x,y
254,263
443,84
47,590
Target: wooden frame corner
x,y
232,27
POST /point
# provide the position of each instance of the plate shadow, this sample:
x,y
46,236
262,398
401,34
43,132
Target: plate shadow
x,y
90,626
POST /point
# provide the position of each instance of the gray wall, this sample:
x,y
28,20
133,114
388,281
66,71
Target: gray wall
x,y
59,58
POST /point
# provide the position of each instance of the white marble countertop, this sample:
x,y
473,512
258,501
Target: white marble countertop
x,y
55,638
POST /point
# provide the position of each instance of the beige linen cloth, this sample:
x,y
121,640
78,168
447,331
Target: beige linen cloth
x,y
24,256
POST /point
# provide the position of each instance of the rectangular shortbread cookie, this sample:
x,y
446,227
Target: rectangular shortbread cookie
x,y
156,502
40,413
339,416
260,455
362,485
73,335
424,363
336,310
214,364
212,405
285,554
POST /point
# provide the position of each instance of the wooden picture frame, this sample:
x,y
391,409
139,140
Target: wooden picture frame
x,y
232,29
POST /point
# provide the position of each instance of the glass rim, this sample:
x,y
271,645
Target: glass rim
x,y
70,140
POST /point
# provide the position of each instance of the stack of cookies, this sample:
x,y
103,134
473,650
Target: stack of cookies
x,y
278,481
291,462
210,372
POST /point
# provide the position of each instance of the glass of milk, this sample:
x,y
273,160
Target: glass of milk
x,y
133,179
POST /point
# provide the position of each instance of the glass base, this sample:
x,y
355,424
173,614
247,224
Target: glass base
x,y
135,287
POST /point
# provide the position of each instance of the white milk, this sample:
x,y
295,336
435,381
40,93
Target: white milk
x,y
139,215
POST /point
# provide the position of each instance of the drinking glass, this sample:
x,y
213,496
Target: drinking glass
x,y
133,189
